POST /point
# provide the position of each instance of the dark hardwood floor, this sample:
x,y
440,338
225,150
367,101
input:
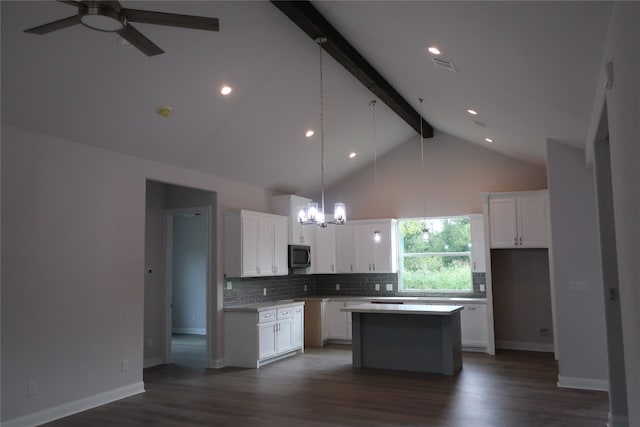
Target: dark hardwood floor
x,y
320,388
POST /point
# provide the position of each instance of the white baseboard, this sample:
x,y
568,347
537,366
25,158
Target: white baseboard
x,y
192,331
152,361
71,408
217,363
583,383
617,421
525,346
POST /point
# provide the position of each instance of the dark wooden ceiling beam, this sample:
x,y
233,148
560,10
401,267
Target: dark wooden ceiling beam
x,y
307,17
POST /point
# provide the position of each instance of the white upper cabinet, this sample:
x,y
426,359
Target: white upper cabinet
x,y
373,256
289,205
323,252
345,251
255,244
478,259
519,220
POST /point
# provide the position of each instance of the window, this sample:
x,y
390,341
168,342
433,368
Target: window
x,y
442,262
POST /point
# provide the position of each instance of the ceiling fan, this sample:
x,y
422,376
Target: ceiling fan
x,y
110,16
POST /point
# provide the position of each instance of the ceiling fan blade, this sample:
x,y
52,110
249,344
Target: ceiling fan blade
x,y
71,2
55,25
172,19
137,39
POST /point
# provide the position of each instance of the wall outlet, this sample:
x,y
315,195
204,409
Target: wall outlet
x,y
482,288
125,365
229,285
337,286
377,286
32,388
264,291
305,288
389,287
544,332
149,271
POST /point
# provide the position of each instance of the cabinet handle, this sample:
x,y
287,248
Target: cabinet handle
x,y
520,240
332,268
474,266
258,269
515,241
369,267
374,267
352,267
268,315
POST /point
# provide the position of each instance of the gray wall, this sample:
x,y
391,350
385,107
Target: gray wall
x,y
521,299
73,281
624,127
576,269
189,274
456,172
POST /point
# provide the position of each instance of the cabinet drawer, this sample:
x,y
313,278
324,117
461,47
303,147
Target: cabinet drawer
x,y
285,313
266,316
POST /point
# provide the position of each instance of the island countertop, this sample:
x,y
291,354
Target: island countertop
x,y
435,309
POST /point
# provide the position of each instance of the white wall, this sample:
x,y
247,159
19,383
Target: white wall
x,y
577,270
73,266
189,274
623,102
456,172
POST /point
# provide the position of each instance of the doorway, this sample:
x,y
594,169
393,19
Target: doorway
x,y
188,250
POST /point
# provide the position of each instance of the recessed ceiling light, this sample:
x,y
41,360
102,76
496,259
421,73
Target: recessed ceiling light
x,y
309,133
434,50
488,139
352,155
226,90
165,111
472,112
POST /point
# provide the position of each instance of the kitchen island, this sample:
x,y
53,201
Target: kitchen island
x,y
406,337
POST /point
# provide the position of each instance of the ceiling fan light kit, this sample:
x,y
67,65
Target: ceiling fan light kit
x,y
111,17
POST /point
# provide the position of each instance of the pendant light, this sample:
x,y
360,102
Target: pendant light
x,y
425,230
314,214
377,236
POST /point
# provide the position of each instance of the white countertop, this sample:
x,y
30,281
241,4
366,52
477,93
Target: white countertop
x,y
263,306
460,300
424,309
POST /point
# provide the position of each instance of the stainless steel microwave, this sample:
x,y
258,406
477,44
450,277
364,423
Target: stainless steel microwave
x,y
299,256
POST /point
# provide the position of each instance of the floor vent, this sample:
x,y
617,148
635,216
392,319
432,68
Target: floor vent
x,y
442,63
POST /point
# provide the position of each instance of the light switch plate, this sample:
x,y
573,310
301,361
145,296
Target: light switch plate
x,y
337,287
377,286
229,285
389,287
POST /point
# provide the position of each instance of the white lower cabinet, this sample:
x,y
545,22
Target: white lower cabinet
x,y
338,322
475,331
253,338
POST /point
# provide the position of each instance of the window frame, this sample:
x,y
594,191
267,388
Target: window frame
x,y
402,255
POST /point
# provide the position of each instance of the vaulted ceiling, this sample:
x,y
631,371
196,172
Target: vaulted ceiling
x,y
529,69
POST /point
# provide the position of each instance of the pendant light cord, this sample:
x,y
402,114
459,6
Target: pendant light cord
x,y
375,144
424,193
321,41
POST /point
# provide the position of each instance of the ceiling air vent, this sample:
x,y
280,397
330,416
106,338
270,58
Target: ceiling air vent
x,y
482,125
442,63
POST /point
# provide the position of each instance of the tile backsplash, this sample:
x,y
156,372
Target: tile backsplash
x,y
251,290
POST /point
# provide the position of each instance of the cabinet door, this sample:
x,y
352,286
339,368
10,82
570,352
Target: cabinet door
x,y
266,340
532,221
384,251
344,249
284,336
249,251
297,328
502,221
473,321
477,244
337,321
324,255
363,249
280,248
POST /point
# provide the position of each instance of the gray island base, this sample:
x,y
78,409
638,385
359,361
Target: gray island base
x,y
418,338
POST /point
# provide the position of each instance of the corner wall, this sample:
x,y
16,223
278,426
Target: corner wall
x,y
73,223
576,270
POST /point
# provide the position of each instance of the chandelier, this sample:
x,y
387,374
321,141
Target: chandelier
x,y
314,214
